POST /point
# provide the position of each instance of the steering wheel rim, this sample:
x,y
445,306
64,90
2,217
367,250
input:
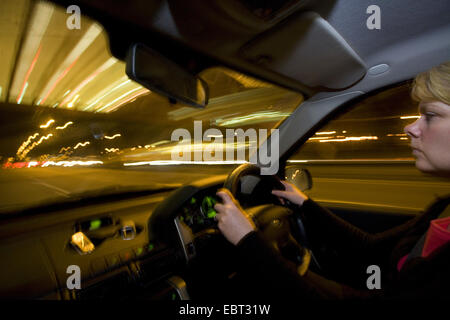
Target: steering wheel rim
x,y
232,183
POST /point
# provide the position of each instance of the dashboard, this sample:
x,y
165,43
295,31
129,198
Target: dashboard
x,y
129,256
148,246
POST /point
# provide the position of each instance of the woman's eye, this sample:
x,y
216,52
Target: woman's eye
x,y
429,116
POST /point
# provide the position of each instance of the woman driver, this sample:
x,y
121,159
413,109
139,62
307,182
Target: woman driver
x,y
414,258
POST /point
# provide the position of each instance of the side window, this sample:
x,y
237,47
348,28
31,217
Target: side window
x,y
361,159
371,129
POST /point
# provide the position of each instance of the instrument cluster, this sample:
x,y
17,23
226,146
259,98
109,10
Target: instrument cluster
x,y
198,212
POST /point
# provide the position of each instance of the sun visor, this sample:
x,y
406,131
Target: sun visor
x,y
307,49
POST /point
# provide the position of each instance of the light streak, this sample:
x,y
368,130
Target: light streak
x,y
297,161
71,163
58,79
107,64
79,144
410,117
175,162
25,82
19,100
88,38
70,104
319,138
44,138
64,149
22,153
49,122
33,36
351,139
107,93
113,137
117,99
64,126
158,143
133,97
27,142
258,117
32,164
325,132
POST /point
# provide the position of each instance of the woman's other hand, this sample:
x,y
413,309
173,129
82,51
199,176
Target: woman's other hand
x,y
292,193
233,221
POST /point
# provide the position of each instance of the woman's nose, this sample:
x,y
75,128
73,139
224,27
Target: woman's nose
x,y
413,129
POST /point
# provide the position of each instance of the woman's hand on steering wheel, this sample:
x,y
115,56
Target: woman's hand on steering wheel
x,y
232,220
292,193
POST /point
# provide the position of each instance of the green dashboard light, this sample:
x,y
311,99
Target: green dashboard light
x,y
193,200
95,224
211,213
208,206
139,251
151,246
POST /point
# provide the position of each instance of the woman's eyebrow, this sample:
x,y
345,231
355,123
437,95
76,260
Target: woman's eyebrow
x,y
430,107
423,108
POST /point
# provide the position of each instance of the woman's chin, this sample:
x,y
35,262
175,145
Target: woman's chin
x,y
424,166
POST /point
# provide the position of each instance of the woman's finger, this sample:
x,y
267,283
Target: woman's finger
x,y
287,185
226,197
219,207
279,193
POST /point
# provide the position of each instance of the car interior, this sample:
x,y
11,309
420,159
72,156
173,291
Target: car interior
x,y
323,61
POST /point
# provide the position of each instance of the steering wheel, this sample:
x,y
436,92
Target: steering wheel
x,y
275,221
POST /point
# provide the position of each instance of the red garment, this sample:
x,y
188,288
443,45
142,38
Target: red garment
x,y
438,234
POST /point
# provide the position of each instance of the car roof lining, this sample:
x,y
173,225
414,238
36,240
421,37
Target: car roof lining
x,y
211,33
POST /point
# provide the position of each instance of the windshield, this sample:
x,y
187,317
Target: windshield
x,y
73,122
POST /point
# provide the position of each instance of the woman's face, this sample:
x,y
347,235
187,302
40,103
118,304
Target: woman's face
x,y
430,138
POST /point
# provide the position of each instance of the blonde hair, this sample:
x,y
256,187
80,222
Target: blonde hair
x,y
433,84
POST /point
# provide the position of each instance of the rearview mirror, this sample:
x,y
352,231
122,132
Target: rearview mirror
x,y
159,74
299,177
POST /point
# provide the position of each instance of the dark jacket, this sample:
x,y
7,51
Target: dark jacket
x,y
344,253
